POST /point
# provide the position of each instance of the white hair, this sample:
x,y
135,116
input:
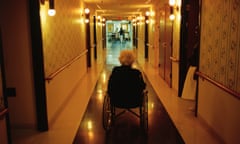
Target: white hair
x,y
126,57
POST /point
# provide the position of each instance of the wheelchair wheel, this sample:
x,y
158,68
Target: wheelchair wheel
x,y
144,113
106,113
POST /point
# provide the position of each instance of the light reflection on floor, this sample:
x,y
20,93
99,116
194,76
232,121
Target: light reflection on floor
x,y
113,50
126,129
63,131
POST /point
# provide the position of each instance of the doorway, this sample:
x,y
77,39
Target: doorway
x,y
116,42
189,39
165,45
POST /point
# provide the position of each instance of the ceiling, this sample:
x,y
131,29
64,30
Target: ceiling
x,y
121,9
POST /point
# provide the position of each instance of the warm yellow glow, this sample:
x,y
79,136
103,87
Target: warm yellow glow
x,y
100,97
51,12
89,125
147,21
172,2
139,18
152,13
104,77
172,17
43,15
86,20
147,13
179,16
98,17
152,105
86,10
152,21
78,11
134,65
99,91
81,20
90,135
179,3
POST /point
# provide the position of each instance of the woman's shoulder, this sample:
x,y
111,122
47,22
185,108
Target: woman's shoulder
x,y
136,70
119,68
116,68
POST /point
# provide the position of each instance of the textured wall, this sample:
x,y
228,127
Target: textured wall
x,y
63,39
220,42
220,60
63,34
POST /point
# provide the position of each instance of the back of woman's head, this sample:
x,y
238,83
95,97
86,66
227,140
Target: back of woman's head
x,y
126,57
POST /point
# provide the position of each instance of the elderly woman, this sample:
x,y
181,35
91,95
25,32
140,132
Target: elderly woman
x,y
126,84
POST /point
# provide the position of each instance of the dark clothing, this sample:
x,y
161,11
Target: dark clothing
x,y
125,87
121,31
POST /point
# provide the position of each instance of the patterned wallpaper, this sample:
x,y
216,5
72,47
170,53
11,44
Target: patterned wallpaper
x,y
220,42
63,34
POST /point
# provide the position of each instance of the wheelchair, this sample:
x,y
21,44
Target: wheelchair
x,y
110,104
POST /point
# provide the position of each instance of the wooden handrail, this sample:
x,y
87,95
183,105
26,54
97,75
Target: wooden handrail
x,y
173,59
3,113
52,75
226,89
149,45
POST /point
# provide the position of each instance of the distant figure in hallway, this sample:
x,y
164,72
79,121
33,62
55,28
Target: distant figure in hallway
x,y
121,32
126,82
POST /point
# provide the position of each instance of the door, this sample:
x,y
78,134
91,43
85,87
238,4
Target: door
x,y
189,40
168,52
162,44
4,121
165,47
3,113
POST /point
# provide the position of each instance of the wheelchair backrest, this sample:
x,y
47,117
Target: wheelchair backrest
x,y
126,86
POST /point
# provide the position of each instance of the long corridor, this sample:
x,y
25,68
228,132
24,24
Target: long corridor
x,y
126,129
74,125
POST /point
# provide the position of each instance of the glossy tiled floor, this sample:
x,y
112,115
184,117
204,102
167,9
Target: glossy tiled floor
x,y
81,123
126,129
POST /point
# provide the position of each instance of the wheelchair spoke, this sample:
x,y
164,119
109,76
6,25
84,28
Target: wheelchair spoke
x,y
107,115
144,116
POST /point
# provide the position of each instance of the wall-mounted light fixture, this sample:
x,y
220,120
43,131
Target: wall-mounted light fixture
x,y
173,6
86,20
51,10
87,12
147,17
172,3
147,13
134,21
171,16
99,20
103,21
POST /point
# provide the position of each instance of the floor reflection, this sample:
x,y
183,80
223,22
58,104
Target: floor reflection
x,y
113,50
126,129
